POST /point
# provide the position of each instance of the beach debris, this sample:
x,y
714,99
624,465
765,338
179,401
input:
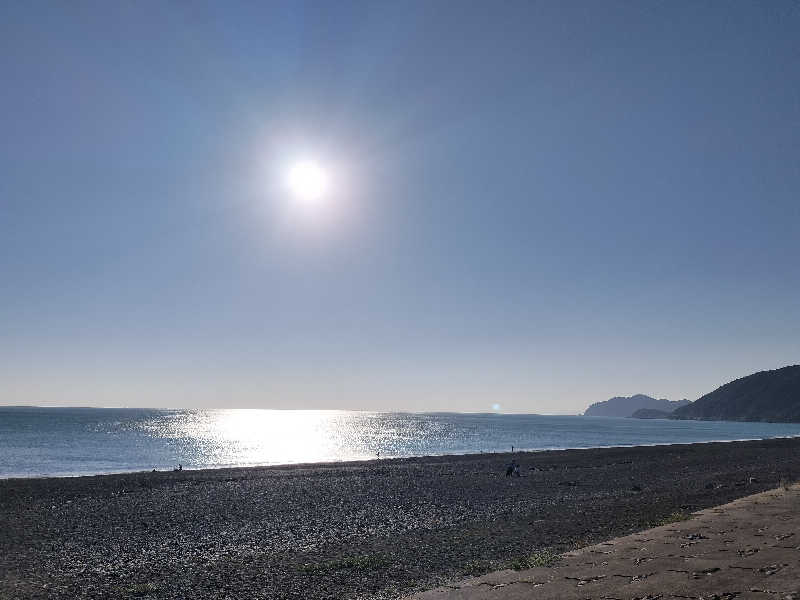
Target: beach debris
x,y
704,572
585,580
771,569
634,578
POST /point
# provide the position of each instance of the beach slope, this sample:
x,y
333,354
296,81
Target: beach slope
x,y
377,529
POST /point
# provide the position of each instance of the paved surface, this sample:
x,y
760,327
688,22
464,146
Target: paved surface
x,y
748,549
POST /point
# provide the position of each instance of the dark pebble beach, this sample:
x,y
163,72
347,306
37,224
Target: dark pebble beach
x,y
377,529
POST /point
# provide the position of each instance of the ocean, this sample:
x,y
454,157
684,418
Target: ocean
x,y
86,441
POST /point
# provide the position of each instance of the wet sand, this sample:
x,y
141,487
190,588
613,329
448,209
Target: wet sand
x,y
378,529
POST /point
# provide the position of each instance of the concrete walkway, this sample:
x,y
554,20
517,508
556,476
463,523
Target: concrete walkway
x,y
748,549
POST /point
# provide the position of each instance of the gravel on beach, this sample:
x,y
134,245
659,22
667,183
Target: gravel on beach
x,y
366,530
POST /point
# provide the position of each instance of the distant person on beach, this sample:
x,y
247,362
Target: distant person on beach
x,y
516,470
510,469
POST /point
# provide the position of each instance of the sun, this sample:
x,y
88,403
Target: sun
x,y
308,182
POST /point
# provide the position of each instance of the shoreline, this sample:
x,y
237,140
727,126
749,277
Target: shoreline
x,y
378,529
359,461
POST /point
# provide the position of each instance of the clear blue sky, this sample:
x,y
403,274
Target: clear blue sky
x,y
534,204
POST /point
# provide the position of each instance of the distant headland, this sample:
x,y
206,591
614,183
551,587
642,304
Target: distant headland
x,y
626,406
770,396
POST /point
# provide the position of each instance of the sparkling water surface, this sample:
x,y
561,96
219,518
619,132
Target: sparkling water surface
x,y
80,441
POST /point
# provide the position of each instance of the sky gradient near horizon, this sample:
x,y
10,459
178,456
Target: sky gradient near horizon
x,y
533,204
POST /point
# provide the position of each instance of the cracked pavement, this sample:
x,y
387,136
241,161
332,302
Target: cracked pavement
x,y
748,549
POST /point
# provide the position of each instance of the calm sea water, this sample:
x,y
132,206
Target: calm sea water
x,y
75,441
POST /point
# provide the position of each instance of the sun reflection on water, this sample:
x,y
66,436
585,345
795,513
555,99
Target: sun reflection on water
x,y
89,441
255,436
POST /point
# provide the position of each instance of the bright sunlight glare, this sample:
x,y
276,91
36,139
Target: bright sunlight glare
x,y
308,182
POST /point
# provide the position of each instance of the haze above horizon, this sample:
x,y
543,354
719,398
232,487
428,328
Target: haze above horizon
x,y
396,206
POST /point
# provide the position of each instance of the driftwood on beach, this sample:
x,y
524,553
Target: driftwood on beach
x,y
377,529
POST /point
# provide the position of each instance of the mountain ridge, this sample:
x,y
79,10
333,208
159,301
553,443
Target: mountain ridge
x,y
772,396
